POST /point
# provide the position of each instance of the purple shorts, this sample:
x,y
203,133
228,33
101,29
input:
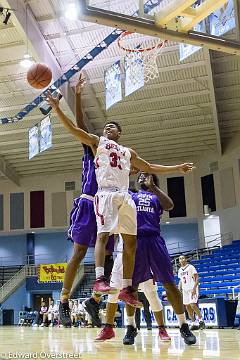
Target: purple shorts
x,y
83,225
152,260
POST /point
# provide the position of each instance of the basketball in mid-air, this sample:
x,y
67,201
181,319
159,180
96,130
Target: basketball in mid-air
x,y
39,76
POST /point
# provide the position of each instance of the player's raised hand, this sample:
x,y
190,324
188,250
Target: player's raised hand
x,y
53,102
186,167
80,84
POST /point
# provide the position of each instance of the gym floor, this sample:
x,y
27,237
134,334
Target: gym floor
x,y
47,343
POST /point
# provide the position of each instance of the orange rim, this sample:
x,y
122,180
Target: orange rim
x,y
127,33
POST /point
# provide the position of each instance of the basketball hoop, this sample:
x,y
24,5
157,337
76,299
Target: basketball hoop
x,y
146,48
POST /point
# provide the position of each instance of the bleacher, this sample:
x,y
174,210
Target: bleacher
x,y
85,288
219,272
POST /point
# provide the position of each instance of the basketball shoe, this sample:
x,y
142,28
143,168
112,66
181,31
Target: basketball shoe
x,y
163,334
130,335
187,335
92,308
102,286
106,333
127,295
202,325
64,314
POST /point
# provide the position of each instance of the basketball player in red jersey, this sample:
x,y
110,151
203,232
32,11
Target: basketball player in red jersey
x,y
115,210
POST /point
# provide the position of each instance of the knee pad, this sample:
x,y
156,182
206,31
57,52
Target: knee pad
x,y
154,301
113,298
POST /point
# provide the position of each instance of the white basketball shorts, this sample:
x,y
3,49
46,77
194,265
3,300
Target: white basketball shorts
x,y
115,212
188,298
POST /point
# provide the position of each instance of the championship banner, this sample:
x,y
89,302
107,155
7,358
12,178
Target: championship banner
x,y
45,134
52,272
113,86
33,142
223,20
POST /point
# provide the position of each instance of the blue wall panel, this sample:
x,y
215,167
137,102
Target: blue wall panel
x,y
17,301
181,237
12,250
16,211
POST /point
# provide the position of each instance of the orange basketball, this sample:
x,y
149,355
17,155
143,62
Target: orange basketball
x,y
39,76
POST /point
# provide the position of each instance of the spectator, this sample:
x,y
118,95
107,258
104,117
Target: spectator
x,y
52,313
42,318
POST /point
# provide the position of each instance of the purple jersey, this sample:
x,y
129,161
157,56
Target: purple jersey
x,y
89,182
149,212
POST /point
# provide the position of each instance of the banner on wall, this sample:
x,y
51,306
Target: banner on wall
x,y
33,145
52,272
113,86
223,20
208,312
45,134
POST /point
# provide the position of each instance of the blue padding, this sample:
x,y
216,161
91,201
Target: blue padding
x,y
218,273
219,291
219,285
219,278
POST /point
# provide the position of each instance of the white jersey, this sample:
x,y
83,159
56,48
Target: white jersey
x,y
112,165
53,308
185,274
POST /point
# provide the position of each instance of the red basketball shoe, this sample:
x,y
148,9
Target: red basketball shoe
x,y
106,333
163,334
102,286
127,295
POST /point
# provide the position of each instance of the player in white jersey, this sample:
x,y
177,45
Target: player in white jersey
x,y
115,208
188,284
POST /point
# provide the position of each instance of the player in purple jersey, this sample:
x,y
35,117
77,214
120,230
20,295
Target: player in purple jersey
x,y
114,185
83,226
152,259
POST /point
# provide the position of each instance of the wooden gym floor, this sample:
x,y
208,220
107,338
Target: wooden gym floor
x,y
48,343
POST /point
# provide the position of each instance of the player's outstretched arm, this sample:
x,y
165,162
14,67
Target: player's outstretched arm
x,y
83,136
143,165
165,201
79,110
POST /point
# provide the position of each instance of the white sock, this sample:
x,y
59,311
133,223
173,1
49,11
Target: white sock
x,y
131,321
99,271
181,319
126,283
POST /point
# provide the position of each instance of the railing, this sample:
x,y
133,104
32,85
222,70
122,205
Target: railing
x,y
10,286
31,260
233,292
78,278
220,240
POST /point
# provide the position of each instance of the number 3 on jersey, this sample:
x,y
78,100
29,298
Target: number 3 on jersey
x,y
115,160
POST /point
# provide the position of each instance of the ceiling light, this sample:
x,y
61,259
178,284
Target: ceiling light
x,y
71,12
167,222
26,62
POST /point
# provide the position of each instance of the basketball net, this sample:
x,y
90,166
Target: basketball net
x,y
145,48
